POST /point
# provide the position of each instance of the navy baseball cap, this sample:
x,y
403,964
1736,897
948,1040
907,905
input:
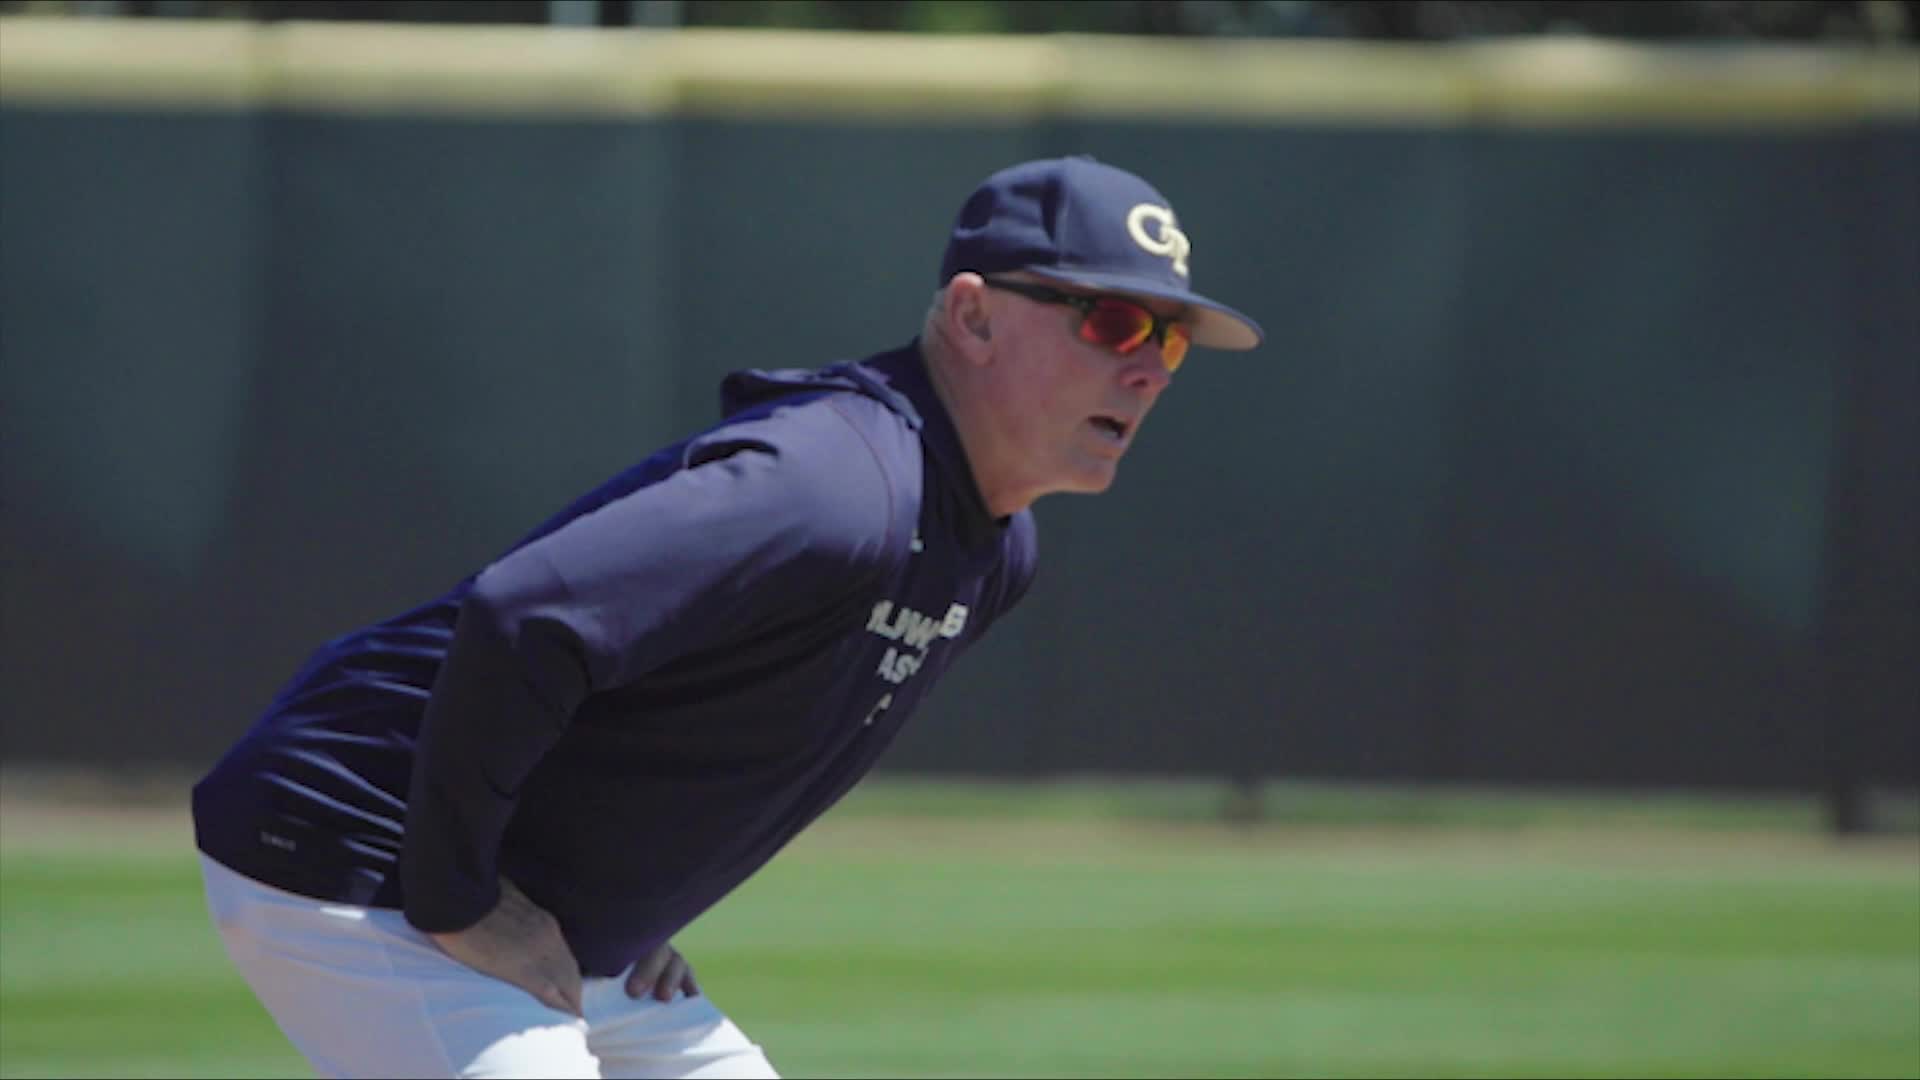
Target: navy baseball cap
x,y
1083,222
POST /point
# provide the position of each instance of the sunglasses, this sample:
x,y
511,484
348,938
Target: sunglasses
x,y
1112,323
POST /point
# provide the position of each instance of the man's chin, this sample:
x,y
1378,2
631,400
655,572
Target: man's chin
x,y
1094,481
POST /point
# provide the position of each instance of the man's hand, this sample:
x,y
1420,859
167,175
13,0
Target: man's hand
x,y
520,943
661,972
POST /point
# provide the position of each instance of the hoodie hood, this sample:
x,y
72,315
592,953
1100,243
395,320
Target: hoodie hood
x,y
755,387
897,379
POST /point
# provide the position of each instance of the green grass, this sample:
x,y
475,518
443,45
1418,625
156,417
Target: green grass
x,y
901,939
1096,798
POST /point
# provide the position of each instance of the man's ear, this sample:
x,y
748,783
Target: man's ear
x,y
968,320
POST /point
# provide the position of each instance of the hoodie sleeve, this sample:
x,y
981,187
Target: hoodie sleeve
x,y
769,519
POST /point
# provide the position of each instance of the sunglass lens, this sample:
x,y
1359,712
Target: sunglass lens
x,y
1173,348
1117,325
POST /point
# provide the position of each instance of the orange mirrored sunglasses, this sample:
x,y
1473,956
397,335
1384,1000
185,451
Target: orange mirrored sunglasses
x,y
1111,322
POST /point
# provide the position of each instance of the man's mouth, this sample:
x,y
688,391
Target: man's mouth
x,y
1112,427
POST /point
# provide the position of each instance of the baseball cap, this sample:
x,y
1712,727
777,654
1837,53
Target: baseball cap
x,y
1083,222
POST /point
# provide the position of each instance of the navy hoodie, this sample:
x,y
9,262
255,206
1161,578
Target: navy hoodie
x,y
635,707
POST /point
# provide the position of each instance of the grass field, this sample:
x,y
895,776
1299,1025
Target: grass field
x,y
958,931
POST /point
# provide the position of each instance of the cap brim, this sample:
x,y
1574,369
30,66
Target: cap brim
x,y
1215,325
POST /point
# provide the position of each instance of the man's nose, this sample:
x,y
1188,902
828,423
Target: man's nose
x,y
1146,371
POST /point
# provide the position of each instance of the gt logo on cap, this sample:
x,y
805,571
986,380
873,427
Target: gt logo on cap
x,y
1163,238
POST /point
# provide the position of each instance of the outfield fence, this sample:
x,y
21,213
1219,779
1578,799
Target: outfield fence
x,y
1582,451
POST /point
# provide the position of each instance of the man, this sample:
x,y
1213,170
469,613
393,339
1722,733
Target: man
x,y
460,840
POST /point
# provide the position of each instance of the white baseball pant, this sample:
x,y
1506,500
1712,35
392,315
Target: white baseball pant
x,y
361,993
